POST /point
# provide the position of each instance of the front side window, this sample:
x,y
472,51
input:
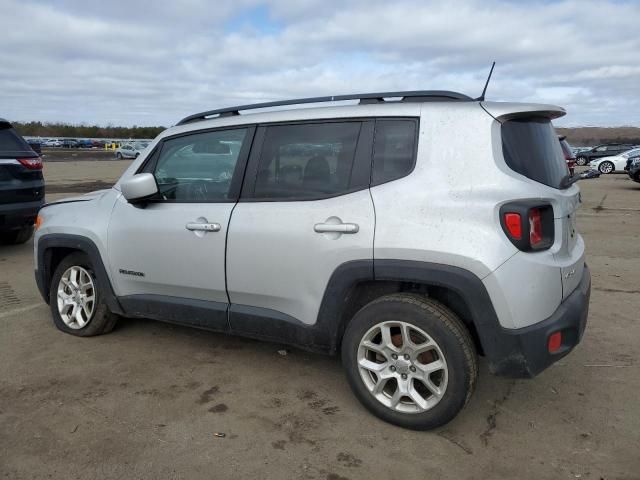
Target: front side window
x,y
307,161
199,167
394,149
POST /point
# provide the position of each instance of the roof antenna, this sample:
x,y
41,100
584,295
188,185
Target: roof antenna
x,y
484,90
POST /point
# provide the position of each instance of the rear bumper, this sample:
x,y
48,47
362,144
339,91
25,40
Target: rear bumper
x,y
18,215
523,352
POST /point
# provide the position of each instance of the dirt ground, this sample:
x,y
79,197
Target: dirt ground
x,y
146,400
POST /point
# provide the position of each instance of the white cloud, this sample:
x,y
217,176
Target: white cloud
x,y
144,63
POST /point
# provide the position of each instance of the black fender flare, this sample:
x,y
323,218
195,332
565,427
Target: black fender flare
x,y
466,284
47,243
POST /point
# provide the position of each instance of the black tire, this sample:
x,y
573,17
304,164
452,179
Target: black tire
x,y
137,155
604,164
102,320
119,156
582,161
16,237
444,328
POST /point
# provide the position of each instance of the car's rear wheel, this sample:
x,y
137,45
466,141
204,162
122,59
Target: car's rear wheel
x,y
76,300
119,156
606,167
410,361
15,237
582,161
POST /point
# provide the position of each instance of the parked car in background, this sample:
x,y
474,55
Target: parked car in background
x,y
633,168
605,150
131,150
70,143
567,151
52,143
616,163
21,186
577,150
85,143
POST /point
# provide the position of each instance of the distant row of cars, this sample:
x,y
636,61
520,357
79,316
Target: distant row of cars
x,y
68,143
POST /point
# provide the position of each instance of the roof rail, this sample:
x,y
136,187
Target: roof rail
x,y
365,98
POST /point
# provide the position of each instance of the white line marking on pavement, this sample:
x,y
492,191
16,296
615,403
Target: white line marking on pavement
x,y
20,310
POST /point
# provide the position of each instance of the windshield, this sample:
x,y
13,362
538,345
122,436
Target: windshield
x,y
531,148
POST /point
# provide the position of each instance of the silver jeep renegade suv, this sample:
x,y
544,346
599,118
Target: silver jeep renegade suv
x,y
410,233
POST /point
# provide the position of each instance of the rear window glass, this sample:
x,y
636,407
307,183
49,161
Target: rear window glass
x,y
394,149
12,144
307,161
530,147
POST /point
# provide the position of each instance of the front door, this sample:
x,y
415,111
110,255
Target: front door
x,y
167,257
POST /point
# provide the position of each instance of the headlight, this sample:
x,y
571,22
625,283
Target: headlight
x,y
635,161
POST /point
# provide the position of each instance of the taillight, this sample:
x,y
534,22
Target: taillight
x,y
535,227
34,163
528,224
513,222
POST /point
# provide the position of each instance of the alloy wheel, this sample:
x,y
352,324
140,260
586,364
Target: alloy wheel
x,y
76,297
606,167
402,367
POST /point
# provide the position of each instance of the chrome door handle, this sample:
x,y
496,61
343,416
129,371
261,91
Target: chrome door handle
x,y
203,227
336,228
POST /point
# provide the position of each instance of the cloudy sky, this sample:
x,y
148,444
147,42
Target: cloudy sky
x,y
152,62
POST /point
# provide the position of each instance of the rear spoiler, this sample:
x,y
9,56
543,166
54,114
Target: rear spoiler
x,y
503,111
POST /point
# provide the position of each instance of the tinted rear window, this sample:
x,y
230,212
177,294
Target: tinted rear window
x,y
531,148
12,144
394,149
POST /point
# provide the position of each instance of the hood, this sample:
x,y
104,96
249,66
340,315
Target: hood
x,y
80,198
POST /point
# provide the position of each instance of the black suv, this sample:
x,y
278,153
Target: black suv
x,y
605,150
21,186
633,168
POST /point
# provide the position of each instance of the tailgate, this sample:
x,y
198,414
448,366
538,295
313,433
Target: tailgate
x,y
570,256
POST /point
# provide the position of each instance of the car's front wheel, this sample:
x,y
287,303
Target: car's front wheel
x,y
76,300
606,167
582,161
410,361
119,156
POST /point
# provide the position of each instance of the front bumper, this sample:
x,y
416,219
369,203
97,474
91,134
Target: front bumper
x,y
523,352
19,215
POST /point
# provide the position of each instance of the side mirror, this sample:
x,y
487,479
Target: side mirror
x,y
139,187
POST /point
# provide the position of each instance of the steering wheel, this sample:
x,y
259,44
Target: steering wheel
x,y
199,190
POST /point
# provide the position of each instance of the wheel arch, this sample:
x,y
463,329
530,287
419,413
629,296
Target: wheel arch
x,y
53,248
355,284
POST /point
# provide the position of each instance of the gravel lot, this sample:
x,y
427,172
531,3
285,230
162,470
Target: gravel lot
x,y
146,400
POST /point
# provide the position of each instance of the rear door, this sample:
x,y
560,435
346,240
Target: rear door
x,y
305,210
169,254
